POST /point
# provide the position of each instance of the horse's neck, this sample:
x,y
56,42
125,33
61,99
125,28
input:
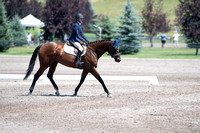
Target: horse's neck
x,y
101,47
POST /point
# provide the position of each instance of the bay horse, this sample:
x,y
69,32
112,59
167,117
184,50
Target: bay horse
x,y
51,53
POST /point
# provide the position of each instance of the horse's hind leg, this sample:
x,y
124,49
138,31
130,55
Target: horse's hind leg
x,y
50,76
36,77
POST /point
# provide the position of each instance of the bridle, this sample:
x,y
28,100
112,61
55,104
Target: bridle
x,y
113,56
116,51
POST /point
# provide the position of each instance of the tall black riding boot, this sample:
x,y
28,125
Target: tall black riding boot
x,y
79,64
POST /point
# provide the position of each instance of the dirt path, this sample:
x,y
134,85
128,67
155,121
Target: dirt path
x,y
171,106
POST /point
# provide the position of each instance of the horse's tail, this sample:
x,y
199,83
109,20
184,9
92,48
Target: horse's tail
x,y
32,62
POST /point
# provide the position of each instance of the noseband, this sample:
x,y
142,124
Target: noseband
x,y
115,55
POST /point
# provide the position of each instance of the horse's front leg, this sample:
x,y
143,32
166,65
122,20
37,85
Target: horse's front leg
x,y
98,77
83,76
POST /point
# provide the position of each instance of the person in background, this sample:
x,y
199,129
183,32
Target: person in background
x,y
176,36
41,35
65,38
34,40
29,39
163,39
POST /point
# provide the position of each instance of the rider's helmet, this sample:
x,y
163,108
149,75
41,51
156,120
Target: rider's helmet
x,y
79,15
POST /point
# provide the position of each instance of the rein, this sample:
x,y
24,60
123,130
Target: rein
x,y
97,48
113,56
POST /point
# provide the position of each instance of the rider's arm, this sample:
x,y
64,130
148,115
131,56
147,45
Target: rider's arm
x,y
77,33
81,32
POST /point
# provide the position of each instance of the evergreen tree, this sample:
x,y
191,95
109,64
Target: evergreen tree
x,y
107,28
18,31
5,34
95,21
129,30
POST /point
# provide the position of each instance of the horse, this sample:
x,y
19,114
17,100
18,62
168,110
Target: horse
x,y
51,53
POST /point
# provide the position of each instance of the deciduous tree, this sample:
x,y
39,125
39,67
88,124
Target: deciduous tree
x,y
188,18
23,8
154,19
59,16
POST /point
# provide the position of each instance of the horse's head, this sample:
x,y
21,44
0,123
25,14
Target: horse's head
x,y
114,50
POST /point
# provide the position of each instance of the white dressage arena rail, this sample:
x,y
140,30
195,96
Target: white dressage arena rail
x,y
151,79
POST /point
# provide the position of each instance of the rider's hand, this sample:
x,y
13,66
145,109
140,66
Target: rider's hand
x,y
87,41
81,42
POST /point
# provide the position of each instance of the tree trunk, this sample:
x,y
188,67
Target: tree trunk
x,y
151,40
197,51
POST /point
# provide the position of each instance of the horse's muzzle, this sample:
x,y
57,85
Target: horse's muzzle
x,y
117,57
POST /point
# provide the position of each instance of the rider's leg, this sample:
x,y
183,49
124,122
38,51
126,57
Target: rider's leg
x,y
80,49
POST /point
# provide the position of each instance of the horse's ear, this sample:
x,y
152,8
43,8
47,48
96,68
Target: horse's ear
x,y
119,40
114,43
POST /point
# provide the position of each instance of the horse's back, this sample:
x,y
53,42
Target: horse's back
x,y
51,48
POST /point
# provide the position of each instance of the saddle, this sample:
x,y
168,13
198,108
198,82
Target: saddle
x,y
69,48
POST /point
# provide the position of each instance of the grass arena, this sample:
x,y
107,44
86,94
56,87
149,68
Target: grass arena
x,y
172,105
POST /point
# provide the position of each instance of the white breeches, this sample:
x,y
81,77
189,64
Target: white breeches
x,y
78,46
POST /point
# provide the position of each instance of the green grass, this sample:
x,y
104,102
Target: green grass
x,y
91,37
165,53
19,51
113,8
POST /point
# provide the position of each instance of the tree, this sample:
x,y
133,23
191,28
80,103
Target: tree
x,y
94,21
129,30
154,19
5,34
188,17
103,22
18,31
23,8
107,28
35,8
59,16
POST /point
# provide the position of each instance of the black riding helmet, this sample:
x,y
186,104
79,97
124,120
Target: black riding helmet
x,y
79,15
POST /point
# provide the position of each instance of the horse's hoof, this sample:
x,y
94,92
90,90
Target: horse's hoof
x,y
74,95
109,96
29,94
57,94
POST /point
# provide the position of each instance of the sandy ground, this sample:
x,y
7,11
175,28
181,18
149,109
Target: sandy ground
x,y
136,106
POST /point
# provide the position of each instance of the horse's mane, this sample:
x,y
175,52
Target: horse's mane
x,y
93,45
98,41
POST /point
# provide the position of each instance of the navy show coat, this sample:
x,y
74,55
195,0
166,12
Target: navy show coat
x,y
77,33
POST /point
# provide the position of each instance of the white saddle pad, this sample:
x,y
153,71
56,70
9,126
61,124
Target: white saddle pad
x,y
71,50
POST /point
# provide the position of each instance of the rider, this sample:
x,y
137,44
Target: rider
x,y
77,38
